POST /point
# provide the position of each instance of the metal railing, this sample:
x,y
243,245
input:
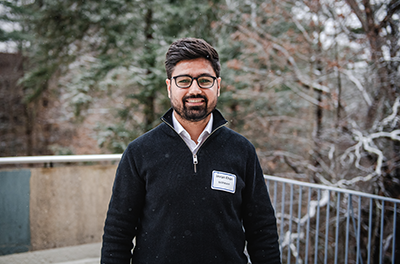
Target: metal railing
x,y
323,224
316,223
60,159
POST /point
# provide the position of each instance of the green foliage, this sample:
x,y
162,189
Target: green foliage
x,y
100,48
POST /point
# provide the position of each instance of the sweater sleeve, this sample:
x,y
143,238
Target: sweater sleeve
x,y
259,218
123,213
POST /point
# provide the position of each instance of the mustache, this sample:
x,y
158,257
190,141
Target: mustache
x,y
194,97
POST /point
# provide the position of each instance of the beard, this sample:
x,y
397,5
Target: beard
x,y
193,113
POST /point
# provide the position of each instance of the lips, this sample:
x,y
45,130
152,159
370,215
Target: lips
x,y
195,101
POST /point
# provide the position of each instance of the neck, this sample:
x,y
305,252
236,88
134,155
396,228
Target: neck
x,y
193,128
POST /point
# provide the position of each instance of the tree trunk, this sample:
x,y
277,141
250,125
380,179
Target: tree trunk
x,y
149,104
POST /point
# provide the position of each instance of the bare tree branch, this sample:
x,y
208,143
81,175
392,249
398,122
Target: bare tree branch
x,y
393,7
261,43
393,118
358,84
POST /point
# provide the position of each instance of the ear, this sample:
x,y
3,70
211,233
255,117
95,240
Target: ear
x,y
218,86
168,82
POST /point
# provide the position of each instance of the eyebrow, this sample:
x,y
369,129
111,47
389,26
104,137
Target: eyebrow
x,y
200,75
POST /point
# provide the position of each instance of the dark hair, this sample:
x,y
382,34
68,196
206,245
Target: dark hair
x,y
190,49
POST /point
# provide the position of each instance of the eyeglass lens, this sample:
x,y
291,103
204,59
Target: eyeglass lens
x,y
186,81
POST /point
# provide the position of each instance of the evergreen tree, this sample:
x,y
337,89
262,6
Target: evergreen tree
x,y
109,47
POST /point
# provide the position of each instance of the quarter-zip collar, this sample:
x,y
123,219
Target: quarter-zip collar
x,y
219,121
194,146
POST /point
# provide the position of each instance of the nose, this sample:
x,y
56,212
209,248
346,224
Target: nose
x,y
195,88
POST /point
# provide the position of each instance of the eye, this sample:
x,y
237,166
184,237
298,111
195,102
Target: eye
x,y
183,81
205,80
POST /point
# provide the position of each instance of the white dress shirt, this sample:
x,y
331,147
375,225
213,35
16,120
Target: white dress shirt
x,y
186,137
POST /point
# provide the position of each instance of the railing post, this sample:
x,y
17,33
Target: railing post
x,y
327,227
282,213
349,201
369,230
394,232
358,255
299,223
290,221
317,227
308,224
337,227
381,230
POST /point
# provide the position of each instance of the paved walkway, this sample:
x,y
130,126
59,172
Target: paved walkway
x,y
83,254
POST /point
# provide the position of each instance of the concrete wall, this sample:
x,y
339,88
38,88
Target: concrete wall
x,y
53,207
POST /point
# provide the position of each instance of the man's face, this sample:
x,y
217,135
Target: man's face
x,y
194,103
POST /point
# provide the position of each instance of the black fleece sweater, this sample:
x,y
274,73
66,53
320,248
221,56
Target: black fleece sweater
x,y
180,212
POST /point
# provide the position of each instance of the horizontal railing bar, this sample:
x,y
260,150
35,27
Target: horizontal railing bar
x,y
116,157
59,158
336,189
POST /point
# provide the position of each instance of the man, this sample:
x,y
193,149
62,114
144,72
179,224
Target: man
x,y
190,190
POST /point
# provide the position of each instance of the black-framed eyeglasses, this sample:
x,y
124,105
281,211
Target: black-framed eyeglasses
x,y
185,81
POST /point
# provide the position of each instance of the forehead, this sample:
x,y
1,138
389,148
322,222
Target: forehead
x,y
193,67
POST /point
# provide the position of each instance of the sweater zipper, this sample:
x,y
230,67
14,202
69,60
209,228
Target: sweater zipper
x,y
195,160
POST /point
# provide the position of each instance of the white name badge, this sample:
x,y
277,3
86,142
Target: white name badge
x,y
223,181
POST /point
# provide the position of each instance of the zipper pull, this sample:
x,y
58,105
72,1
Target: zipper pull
x,y
195,162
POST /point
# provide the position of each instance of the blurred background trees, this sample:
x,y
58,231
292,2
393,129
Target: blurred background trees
x,y
315,74
313,84
110,49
